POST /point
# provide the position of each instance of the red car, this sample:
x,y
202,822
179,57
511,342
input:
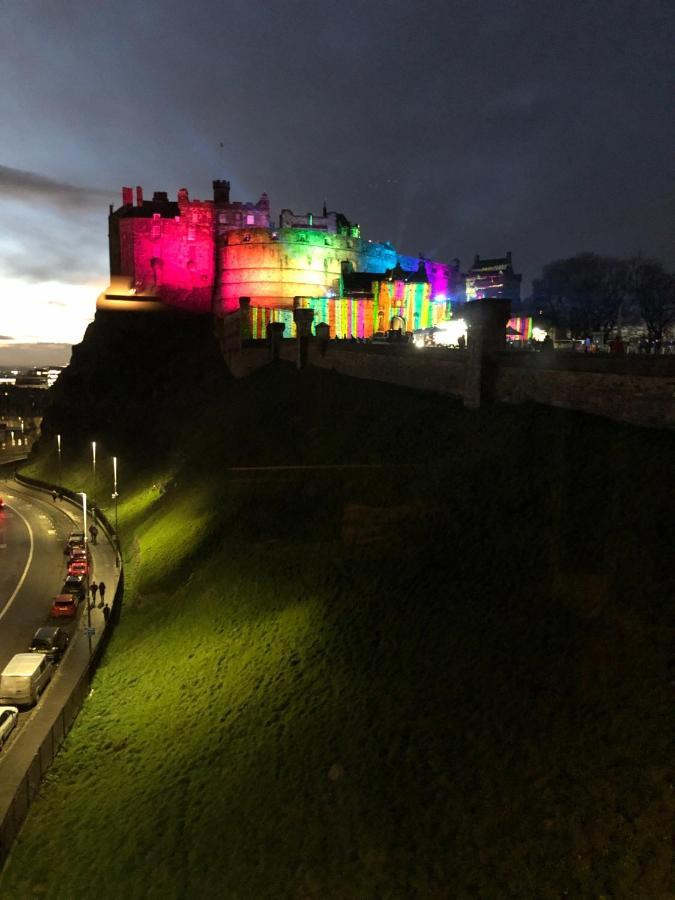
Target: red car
x,y
78,553
64,606
78,565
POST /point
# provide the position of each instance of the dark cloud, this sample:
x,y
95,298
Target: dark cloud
x,y
44,244
33,188
448,126
6,337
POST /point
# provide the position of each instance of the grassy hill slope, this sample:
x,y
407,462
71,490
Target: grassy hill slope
x,y
443,676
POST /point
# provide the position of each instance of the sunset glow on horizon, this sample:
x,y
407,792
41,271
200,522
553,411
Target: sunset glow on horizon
x,y
45,312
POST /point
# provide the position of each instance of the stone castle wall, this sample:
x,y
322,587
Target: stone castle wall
x,y
635,390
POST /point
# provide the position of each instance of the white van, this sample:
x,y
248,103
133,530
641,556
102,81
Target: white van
x,y
24,678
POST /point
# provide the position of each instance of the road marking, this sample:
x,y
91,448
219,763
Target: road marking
x,y
27,567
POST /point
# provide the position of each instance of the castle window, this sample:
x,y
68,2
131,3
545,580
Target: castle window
x,y
191,233
156,226
250,219
223,218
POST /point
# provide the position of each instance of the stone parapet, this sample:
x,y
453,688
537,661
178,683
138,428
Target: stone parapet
x,y
623,390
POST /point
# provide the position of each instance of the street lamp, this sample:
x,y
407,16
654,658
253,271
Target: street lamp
x,y
58,450
93,467
86,596
115,495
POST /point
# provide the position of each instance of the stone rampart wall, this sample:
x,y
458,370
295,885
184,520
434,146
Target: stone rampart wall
x,y
406,366
639,391
637,399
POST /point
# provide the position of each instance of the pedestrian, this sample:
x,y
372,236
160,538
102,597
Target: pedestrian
x,y
101,592
93,531
93,587
54,496
106,613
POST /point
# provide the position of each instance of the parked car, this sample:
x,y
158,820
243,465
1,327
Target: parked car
x,y
24,678
75,537
50,640
78,565
9,716
75,584
78,552
65,606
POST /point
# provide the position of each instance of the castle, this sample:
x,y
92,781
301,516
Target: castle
x,y
203,255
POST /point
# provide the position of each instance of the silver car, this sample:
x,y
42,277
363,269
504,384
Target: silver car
x,y
9,716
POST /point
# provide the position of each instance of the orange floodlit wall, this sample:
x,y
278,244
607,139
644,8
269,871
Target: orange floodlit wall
x,y
273,267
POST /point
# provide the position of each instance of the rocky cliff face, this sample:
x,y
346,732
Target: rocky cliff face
x,y
134,379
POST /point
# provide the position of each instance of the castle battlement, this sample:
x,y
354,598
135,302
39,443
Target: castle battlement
x,y
203,255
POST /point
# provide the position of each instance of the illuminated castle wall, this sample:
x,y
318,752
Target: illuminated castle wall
x,y
493,278
204,255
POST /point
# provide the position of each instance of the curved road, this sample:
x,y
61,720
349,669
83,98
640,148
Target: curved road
x,y
33,531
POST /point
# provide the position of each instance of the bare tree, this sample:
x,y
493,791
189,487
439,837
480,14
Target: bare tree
x,y
584,292
653,290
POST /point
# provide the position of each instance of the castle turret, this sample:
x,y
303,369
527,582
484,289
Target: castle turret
x,y
221,191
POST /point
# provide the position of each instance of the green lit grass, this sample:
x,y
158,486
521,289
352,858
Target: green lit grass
x,y
479,705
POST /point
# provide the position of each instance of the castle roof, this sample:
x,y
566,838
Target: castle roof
x,y
498,263
167,209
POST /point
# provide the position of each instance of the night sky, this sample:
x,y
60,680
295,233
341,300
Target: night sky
x,y
449,128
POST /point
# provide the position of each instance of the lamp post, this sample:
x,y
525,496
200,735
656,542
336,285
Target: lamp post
x,y
86,597
58,450
93,469
115,495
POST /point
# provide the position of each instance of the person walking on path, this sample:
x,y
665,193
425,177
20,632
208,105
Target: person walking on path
x,y
93,531
106,613
54,496
93,587
101,593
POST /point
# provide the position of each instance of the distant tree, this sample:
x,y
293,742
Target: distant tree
x,y
584,292
653,291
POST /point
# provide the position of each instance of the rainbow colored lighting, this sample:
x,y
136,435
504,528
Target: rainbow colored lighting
x,y
521,324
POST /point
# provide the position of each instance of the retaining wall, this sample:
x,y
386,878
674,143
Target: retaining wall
x,y
634,389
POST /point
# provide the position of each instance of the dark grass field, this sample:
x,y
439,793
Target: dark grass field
x,y
447,675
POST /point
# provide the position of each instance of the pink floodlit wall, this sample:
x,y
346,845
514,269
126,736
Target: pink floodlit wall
x,y
172,259
242,215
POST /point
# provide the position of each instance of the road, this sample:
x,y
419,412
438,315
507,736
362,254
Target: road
x,y
33,531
